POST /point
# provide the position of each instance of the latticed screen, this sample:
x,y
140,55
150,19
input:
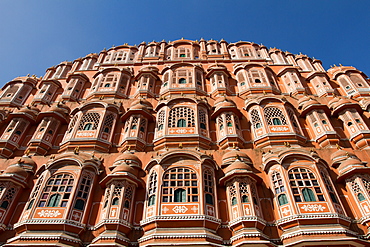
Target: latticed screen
x,y
357,190
89,121
366,182
108,123
152,188
243,190
72,124
10,193
180,185
256,120
202,119
232,193
57,191
160,120
274,116
181,117
305,186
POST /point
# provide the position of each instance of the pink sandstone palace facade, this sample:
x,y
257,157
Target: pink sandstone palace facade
x,y
189,143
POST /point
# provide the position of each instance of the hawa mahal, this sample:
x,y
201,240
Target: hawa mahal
x,y
186,143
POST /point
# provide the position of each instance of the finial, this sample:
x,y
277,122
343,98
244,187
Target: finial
x,y
27,152
264,93
287,144
234,145
101,97
180,145
237,157
128,148
340,65
77,150
338,147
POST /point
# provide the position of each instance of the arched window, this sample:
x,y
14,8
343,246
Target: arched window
x,y
276,121
180,185
79,204
282,199
151,200
182,81
181,123
54,200
88,126
233,201
209,199
4,204
127,204
360,197
279,188
57,191
304,185
245,199
115,201
180,195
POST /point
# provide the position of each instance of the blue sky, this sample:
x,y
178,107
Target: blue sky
x,y
38,34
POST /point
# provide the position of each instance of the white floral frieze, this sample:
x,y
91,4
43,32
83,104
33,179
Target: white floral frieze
x,y
49,213
313,208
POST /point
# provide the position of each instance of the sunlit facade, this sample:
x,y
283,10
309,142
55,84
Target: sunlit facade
x,y
189,143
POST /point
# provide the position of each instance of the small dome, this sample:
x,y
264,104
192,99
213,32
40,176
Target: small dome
x,y
128,157
233,155
349,163
237,165
224,100
334,103
303,99
341,155
124,168
60,108
31,110
141,104
26,160
16,170
306,102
